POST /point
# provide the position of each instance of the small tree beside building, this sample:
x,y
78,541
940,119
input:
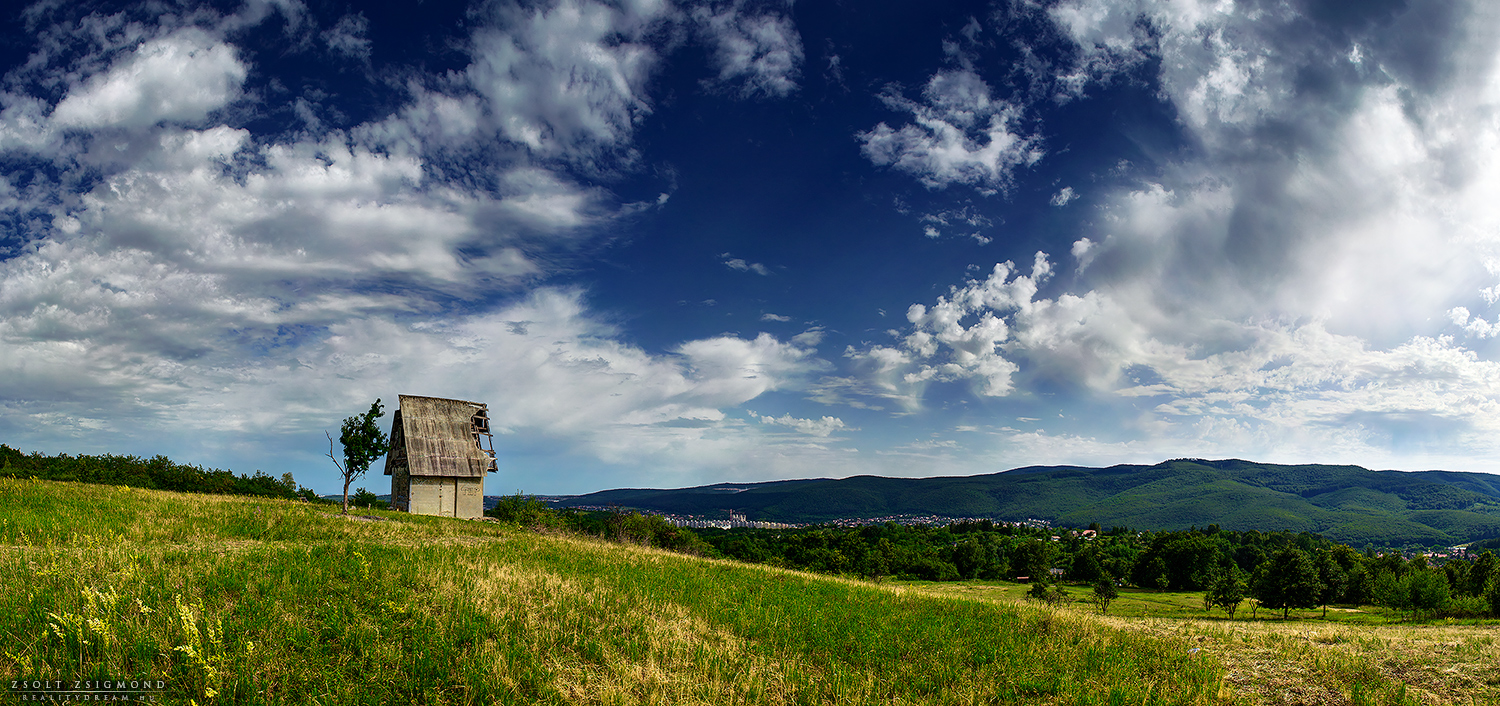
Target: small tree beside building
x,y
363,442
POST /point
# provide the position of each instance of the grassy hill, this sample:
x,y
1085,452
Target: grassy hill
x,y
1345,503
251,600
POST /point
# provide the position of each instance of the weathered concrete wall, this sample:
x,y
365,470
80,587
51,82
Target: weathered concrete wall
x,y
470,497
447,496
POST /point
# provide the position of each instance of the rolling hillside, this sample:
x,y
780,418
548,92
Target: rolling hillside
x,y
1345,503
215,599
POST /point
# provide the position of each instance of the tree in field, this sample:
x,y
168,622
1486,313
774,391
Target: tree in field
x,y
364,498
1388,591
1105,593
1047,593
1426,590
363,444
1288,580
1227,589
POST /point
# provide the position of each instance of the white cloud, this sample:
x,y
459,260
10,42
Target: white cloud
x,y
1064,196
321,212
762,53
811,427
1083,251
739,264
215,280
775,317
180,78
961,135
1380,177
968,221
566,80
547,367
1475,326
350,37
1267,388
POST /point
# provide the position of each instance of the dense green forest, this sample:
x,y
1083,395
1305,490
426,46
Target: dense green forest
x,y
1280,570
159,473
1344,503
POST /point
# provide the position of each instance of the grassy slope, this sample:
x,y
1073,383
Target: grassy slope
x,y
240,600
1345,503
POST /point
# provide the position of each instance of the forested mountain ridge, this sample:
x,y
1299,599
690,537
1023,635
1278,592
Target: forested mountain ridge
x,y
1344,503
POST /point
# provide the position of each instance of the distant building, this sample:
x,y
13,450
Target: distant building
x,y
438,456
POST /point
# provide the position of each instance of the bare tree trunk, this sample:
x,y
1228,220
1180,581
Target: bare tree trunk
x,y
342,471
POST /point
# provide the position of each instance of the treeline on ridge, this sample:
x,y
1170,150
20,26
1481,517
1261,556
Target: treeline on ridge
x,y
158,473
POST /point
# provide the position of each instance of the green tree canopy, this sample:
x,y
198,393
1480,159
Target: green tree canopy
x,y
1289,580
363,442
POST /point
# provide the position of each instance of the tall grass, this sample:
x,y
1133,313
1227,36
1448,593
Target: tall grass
x,y
240,600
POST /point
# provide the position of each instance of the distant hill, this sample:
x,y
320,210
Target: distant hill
x,y
1344,503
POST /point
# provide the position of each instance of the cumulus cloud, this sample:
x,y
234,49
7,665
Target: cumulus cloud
x,y
179,78
560,373
1374,176
775,317
1256,386
1260,296
211,279
961,134
568,79
811,427
759,52
1474,326
1290,279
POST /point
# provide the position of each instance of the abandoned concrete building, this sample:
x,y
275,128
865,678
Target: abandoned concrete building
x,y
440,450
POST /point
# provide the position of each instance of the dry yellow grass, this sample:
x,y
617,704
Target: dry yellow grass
x,y
1274,662
1298,662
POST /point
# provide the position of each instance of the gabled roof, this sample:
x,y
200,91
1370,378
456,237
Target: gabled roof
x,y
433,436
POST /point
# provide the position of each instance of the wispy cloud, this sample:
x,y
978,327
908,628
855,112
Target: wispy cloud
x,y
740,265
758,52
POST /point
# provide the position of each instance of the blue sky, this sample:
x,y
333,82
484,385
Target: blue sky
x,y
683,243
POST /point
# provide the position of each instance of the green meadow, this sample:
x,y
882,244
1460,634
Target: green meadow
x,y
1345,655
244,600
